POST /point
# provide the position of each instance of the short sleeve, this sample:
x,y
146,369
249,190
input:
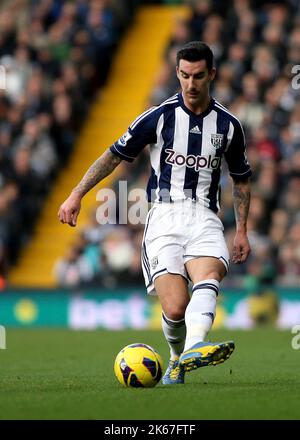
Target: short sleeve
x,y
139,134
235,154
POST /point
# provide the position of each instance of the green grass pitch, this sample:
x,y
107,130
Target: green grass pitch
x,y
63,374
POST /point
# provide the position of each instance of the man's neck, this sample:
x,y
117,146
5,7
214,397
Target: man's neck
x,y
198,107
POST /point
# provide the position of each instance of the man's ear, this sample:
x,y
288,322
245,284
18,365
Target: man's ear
x,y
213,73
177,71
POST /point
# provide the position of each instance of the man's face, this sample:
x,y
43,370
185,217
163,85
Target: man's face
x,y
195,79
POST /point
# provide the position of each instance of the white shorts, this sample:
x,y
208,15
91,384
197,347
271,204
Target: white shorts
x,y
176,233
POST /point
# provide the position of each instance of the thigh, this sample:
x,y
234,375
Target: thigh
x,y
172,291
207,241
162,248
204,268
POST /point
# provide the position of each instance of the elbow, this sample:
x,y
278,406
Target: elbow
x,y
241,180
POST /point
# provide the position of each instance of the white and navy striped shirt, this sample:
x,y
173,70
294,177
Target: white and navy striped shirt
x,y
186,150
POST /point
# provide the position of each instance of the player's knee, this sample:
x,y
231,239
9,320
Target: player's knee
x,y
175,312
215,275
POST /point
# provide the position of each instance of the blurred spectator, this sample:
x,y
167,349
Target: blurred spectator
x,y
255,45
56,55
263,306
73,269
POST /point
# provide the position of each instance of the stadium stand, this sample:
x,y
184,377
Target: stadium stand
x,y
53,74
256,44
109,113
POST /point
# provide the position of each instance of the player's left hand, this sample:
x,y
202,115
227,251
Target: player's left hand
x,y
241,248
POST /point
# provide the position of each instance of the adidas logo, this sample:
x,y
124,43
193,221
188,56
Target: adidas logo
x,y
195,130
211,315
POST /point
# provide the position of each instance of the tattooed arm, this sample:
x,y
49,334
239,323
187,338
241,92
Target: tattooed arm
x,y
101,168
241,202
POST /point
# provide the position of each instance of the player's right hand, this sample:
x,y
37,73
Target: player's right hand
x,y
69,210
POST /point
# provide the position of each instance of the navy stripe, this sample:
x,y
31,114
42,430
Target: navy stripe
x,y
172,100
141,117
174,324
165,168
236,160
206,286
210,315
226,263
159,271
149,284
200,285
144,251
144,254
174,342
145,257
146,229
219,107
194,148
121,155
214,191
146,266
152,186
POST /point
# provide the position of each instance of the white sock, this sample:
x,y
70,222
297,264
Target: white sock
x,y
201,311
174,332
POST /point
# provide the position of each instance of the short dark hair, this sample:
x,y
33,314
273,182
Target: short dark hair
x,y
196,51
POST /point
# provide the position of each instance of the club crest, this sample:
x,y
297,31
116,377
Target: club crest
x,y
217,140
154,262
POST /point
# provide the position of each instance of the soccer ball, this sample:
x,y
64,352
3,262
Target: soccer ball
x,y
138,365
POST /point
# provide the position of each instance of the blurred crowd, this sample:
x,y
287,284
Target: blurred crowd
x,y
57,67
255,44
56,55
